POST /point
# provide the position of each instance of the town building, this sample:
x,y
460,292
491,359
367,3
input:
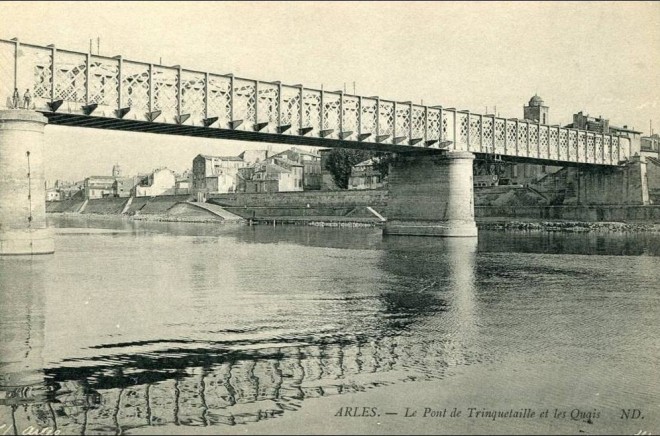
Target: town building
x,y
536,110
311,162
602,125
183,183
493,172
255,156
72,191
107,186
124,186
160,182
98,187
215,174
53,194
59,190
650,146
271,175
365,175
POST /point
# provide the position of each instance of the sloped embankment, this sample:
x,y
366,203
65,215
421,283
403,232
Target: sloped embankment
x,y
506,196
159,205
190,211
105,206
64,206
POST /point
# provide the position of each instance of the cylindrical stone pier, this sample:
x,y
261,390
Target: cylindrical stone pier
x,y
431,195
23,228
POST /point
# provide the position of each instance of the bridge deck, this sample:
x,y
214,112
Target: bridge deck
x,y
80,89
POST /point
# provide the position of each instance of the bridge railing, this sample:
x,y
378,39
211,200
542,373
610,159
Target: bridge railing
x,y
111,87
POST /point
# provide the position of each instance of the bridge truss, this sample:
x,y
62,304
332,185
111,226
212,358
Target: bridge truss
x,y
86,90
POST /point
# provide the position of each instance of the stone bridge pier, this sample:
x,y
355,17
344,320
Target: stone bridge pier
x,y
431,195
627,184
23,228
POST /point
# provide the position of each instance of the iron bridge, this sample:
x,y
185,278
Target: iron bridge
x,y
86,90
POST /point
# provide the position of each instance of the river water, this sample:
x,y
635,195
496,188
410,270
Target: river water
x,y
134,327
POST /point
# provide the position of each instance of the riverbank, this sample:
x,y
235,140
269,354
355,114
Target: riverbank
x,y
496,208
564,226
489,223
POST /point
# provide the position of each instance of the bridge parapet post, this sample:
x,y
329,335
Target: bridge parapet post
x,y
431,195
23,228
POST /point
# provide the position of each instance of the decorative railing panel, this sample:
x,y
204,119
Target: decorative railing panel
x,y
544,153
71,78
219,100
268,106
619,152
581,146
607,150
500,134
474,138
34,66
511,135
193,98
290,109
591,152
385,121
331,115
553,143
572,145
165,86
533,134
463,120
368,119
448,127
104,84
244,104
487,134
523,143
433,126
350,114
563,145
599,148
7,62
312,111
135,89
402,123
83,84
417,125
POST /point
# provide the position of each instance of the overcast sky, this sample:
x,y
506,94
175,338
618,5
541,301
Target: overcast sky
x,y
599,57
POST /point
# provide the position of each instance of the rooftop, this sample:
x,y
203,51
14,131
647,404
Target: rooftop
x,y
536,101
231,158
271,168
101,178
624,129
366,163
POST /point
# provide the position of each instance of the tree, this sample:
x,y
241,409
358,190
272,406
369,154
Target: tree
x,y
341,160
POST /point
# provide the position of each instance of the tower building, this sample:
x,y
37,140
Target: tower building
x,y
536,110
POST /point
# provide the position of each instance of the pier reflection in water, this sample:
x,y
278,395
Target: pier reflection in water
x,y
198,325
22,325
410,323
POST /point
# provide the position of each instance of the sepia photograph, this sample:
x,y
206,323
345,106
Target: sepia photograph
x,y
329,217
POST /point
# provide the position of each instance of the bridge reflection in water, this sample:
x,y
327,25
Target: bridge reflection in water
x,y
424,332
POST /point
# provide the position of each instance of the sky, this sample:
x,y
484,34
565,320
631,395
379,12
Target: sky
x,y
602,58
